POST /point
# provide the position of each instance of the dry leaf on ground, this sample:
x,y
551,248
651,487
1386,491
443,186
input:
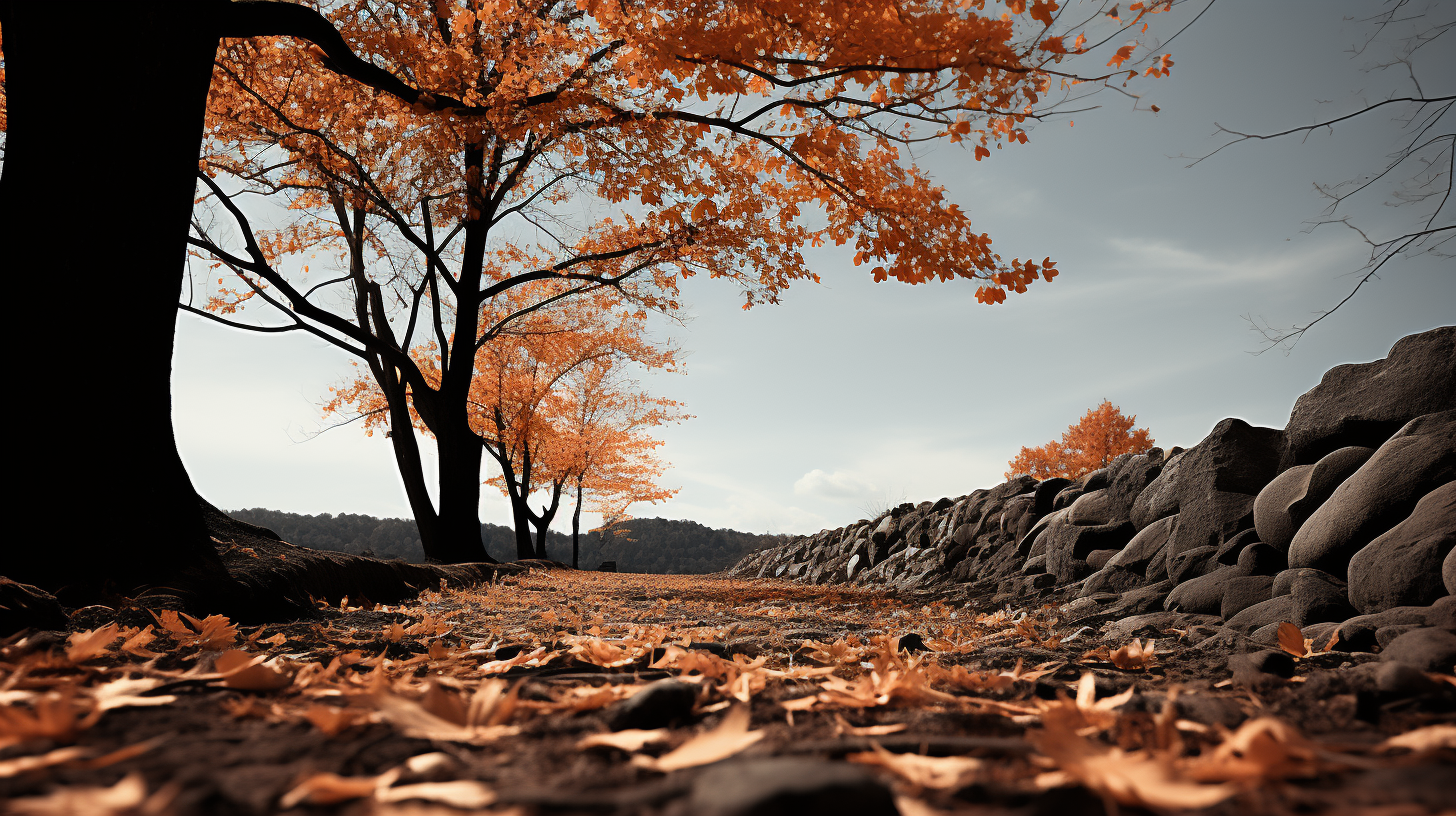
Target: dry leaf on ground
x,y
412,720
329,789
730,737
631,740
1421,740
466,794
1135,656
1128,778
246,672
939,773
1263,748
54,715
129,693
1291,640
126,798
93,643
19,765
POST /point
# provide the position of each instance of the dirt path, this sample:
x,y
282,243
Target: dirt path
x,y
769,697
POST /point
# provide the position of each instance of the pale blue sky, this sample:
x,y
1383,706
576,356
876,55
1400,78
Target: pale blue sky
x,y
851,394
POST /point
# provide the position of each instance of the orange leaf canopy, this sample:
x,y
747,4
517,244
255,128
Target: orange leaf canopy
x,y
704,131
1100,436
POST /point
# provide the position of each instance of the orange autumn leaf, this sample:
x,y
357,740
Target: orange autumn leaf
x,y
1291,640
730,737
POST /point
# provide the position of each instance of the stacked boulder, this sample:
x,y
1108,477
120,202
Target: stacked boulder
x,y
1343,521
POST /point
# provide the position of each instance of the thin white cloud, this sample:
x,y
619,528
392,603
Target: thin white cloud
x,y
837,485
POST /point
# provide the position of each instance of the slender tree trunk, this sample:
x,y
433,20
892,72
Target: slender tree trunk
x,y
520,510
576,529
412,473
116,510
544,519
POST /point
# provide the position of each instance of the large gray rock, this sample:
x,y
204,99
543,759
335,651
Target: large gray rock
x,y
1211,486
1274,610
1271,507
1145,546
1092,509
1403,566
1111,579
1363,404
1284,581
1432,650
1448,572
1328,474
1242,592
1317,601
1285,503
1358,633
1192,563
1068,544
1046,492
1128,476
1261,559
1228,551
1205,593
1419,458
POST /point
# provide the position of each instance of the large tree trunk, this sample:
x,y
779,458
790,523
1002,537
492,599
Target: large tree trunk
x,y
459,517
100,242
90,92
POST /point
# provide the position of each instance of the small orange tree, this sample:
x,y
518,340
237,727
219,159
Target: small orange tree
x,y
1102,435
552,406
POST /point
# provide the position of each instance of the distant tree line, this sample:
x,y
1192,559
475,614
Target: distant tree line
x,y
641,545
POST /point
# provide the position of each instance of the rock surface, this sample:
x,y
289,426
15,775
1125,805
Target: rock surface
x,y
1348,511
1403,566
1418,458
1364,404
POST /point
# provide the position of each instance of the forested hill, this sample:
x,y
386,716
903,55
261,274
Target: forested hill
x,y
648,545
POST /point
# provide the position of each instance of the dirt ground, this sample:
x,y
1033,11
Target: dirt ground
x,y
527,696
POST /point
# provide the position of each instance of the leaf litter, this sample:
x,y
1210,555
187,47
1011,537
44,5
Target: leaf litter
x,y
496,699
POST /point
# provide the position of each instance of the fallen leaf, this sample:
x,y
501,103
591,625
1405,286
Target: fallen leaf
x,y
83,646
940,773
842,726
128,693
1291,639
631,740
1134,656
125,797
212,632
329,789
412,720
19,765
1421,740
334,721
466,794
1262,748
1129,778
138,640
246,672
730,737
124,753
54,715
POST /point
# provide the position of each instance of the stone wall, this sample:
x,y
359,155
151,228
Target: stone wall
x,y
1343,519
